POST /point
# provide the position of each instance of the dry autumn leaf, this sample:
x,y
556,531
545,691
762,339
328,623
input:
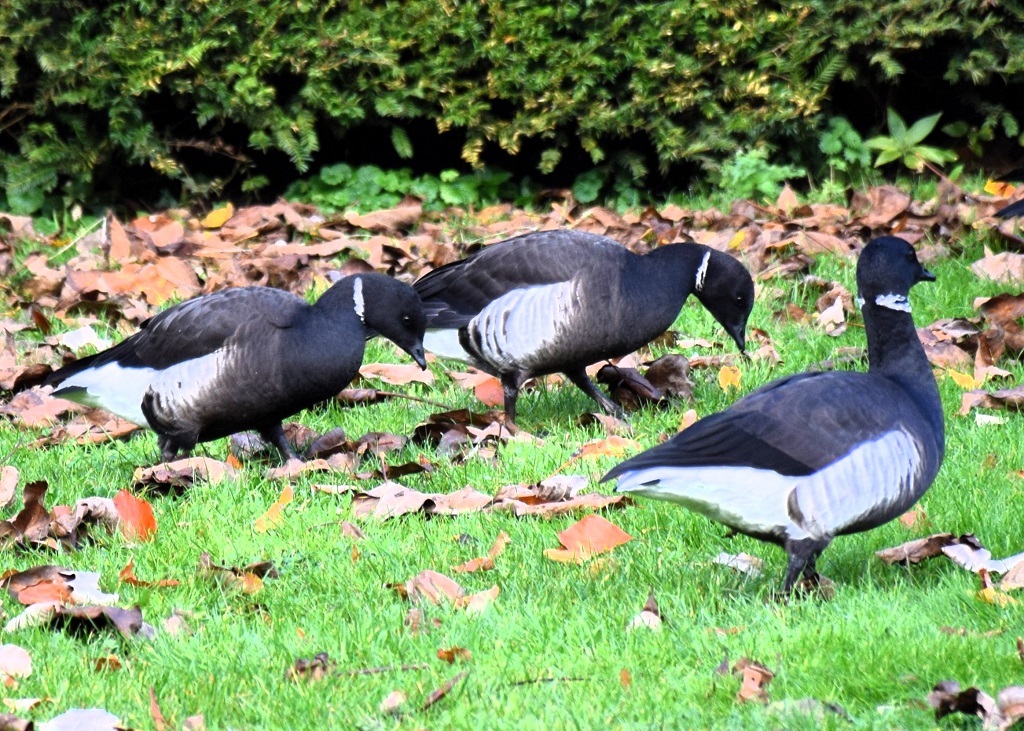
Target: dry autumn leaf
x,y
397,374
137,520
756,678
453,653
585,538
431,586
922,548
182,473
963,380
998,714
15,662
729,377
274,517
8,485
649,617
248,579
127,576
218,216
1005,267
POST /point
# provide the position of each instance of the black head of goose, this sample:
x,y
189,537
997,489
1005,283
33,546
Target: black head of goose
x,y
244,358
559,301
816,455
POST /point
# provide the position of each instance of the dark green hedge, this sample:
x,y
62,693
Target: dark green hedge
x,y
90,89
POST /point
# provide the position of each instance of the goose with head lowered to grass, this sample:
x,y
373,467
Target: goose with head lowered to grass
x,y
243,358
559,301
816,455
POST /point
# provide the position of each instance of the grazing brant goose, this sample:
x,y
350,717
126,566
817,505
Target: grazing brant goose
x,y
816,455
243,358
558,301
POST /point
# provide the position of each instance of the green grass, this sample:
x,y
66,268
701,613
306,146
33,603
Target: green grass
x,y
876,649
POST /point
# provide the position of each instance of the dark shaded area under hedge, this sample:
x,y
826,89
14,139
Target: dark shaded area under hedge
x,y
134,97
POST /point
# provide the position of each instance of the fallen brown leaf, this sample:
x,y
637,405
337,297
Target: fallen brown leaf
x,y
756,678
248,579
443,690
453,653
8,486
397,374
127,576
587,537
15,662
312,670
922,548
183,473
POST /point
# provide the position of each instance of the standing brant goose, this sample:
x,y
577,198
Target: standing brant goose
x,y
816,455
243,358
558,301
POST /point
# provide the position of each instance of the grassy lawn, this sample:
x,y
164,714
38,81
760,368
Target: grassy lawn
x,y
551,650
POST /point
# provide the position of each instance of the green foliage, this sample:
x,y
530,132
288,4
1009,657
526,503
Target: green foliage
x,y
996,119
612,185
366,188
749,175
90,92
904,143
845,149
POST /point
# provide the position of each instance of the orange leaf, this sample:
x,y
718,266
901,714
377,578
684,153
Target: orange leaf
x,y
273,517
44,591
625,679
137,520
729,377
613,446
109,662
588,537
477,564
127,576
999,188
688,420
476,603
454,653
499,545
490,392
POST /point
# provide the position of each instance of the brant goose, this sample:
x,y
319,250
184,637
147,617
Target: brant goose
x,y
558,301
243,358
816,455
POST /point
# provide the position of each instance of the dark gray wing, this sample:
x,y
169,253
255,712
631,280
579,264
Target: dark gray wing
x,y
793,426
193,328
455,293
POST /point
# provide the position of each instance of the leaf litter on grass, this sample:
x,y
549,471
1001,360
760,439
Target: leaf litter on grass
x,y
239,246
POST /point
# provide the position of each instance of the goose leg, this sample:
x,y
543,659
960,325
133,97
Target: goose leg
x,y
168,449
583,383
803,555
171,445
275,435
510,383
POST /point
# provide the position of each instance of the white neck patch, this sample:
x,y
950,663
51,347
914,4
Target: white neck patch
x,y
893,302
357,298
702,272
